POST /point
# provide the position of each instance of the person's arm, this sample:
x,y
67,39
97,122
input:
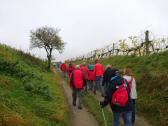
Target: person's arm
x,y
134,90
108,97
84,81
68,70
94,70
104,78
103,69
61,68
72,80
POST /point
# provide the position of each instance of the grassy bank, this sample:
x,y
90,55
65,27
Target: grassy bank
x,y
29,95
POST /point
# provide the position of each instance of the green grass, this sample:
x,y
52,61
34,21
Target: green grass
x,y
29,95
93,106
152,84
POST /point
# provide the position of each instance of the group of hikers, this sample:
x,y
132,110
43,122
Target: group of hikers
x,y
118,87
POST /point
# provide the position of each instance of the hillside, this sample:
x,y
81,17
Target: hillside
x,y
152,82
29,95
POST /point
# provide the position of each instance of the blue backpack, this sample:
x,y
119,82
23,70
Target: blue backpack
x,y
91,67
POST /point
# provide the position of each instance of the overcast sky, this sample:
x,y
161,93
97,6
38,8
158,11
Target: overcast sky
x,y
85,24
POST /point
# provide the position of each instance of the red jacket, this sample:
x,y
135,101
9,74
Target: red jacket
x,y
70,69
85,71
77,79
98,69
91,75
63,67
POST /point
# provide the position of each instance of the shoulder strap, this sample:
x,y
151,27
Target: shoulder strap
x,y
131,80
113,78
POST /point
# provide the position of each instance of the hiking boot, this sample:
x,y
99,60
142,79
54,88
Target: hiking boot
x,y
102,95
79,107
94,92
74,104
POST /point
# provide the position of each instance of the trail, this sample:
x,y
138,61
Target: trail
x,y
140,121
80,117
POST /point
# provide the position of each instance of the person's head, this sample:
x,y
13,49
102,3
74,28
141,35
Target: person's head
x,y
128,71
97,61
121,72
108,66
116,71
77,66
84,64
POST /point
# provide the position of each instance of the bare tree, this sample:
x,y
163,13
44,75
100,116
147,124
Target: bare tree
x,y
123,46
47,38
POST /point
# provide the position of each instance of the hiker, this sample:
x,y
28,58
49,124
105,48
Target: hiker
x,y
59,66
85,71
128,75
77,82
54,68
98,71
121,107
70,69
108,74
91,77
64,69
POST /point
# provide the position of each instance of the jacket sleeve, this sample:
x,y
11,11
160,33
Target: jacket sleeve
x,y
84,81
110,91
94,70
134,91
104,78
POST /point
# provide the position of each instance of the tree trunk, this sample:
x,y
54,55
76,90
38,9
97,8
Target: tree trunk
x,y
49,60
139,50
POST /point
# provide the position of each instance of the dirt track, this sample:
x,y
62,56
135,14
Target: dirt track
x,y
79,117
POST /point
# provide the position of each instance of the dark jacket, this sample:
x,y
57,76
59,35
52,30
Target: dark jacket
x,y
108,74
112,87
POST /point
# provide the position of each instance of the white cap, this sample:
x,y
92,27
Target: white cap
x,y
77,66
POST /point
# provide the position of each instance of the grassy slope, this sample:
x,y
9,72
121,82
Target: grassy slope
x,y
28,94
152,82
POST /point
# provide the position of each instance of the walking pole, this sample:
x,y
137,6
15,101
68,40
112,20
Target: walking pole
x,y
104,117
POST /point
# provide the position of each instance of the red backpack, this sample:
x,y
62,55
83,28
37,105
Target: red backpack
x,y
120,96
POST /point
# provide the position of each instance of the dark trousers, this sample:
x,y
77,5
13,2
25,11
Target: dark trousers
x,y
77,93
133,111
126,117
91,84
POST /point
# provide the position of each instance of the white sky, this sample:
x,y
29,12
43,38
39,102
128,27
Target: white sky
x,y
85,24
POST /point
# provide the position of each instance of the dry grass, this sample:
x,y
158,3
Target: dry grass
x,y
12,119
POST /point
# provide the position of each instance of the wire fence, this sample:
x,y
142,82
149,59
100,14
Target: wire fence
x,y
133,45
